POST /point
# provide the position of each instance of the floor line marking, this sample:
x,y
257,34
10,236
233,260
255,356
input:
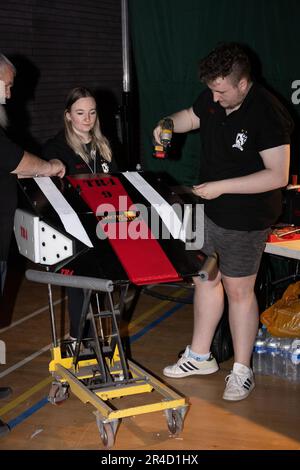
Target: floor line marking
x,y
46,348
31,315
152,310
40,310
25,361
154,323
20,418
21,398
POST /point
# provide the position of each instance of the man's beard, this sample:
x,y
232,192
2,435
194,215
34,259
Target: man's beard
x,y
3,117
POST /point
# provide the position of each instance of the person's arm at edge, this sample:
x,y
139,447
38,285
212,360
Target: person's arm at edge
x,y
31,165
274,175
183,121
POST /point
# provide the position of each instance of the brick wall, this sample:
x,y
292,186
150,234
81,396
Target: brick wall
x,y
56,45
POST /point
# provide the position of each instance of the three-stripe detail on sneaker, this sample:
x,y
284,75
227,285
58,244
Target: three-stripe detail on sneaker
x,y
247,384
188,366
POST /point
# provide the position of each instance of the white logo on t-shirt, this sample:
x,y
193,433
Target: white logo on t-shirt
x,y
105,167
240,140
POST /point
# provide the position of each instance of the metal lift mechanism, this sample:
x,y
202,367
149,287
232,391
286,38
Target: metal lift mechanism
x,y
97,370
105,374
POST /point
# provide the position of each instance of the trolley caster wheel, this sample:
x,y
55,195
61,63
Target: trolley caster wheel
x,y
107,430
107,435
175,417
59,392
175,423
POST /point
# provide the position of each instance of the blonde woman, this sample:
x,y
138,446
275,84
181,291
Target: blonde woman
x,y
82,147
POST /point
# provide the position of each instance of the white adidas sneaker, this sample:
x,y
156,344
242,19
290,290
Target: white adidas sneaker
x,y
186,366
239,383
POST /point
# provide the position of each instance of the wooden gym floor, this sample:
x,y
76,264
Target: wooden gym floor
x,y
159,329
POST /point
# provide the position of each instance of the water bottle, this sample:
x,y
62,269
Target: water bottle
x,y
294,361
283,357
273,350
266,355
278,358
259,353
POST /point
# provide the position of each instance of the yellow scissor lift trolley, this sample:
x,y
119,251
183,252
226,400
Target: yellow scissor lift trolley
x,y
96,369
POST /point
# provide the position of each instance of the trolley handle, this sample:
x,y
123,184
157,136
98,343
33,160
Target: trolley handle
x,y
81,282
209,269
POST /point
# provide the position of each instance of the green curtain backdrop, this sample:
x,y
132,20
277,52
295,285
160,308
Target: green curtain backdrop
x,y
170,36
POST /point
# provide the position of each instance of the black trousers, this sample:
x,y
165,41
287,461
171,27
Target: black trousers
x,y
75,303
3,270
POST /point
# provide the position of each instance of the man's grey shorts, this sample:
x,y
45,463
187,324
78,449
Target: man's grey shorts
x,y
239,252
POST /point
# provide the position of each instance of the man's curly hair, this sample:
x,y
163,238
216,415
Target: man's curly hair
x,y
226,59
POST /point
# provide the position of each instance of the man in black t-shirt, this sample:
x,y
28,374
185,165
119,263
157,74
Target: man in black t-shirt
x,y
245,135
14,162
